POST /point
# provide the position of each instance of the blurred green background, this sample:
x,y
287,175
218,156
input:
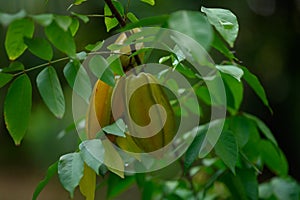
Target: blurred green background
x,y
268,44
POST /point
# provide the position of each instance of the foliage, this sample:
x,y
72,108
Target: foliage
x,y
244,150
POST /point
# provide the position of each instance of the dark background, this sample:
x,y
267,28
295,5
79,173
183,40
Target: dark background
x,y
268,45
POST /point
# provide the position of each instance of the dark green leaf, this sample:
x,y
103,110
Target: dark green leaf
x,y
255,84
243,185
52,170
70,171
100,68
273,158
6,18
74,26
115,64
78,79
13,67
63,21
232,70
150,2
193,151
84,18
16,31
110,23
185,70
39,47
4,79
118,128
193,24
263,128
117,185
92,152
224,21
218,44
227,149
17,107
50,89
61,39
149,21
43,19
234,92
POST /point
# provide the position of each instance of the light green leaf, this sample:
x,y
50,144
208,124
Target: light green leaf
x,y
285,188
92,152
118,128
74,71
6,19
84,18
50,89
273,158
234,93
63,21
232,70
87,184
16,31
218,44
43,19
255,84
224,21
193,24
132,17
112,159
74,26
110,23
52,170
4,79
78,2
39,47
227,149
17,107
100,68
263,128
94,47
70,171
150,2
61,39
13,67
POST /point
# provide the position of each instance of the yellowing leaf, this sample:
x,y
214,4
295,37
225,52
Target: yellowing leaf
x,y
87,184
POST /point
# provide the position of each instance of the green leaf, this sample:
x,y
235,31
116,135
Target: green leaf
x,y
70,171
149,21
117,185
218,44
78,2
115,64
227,149
255,84
43,19
225,23
110,23
92,152
87,184
50,89
132,17
16,31
17,107
118,128
100,68
193,24
273,158
84,18
234,93
6,18
193,151
13,67
285,188
74,26
75,73
263,128
61,39
232,70
63,21
150,2
112,158
39,47
243,185
94,47
4,79
52,170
